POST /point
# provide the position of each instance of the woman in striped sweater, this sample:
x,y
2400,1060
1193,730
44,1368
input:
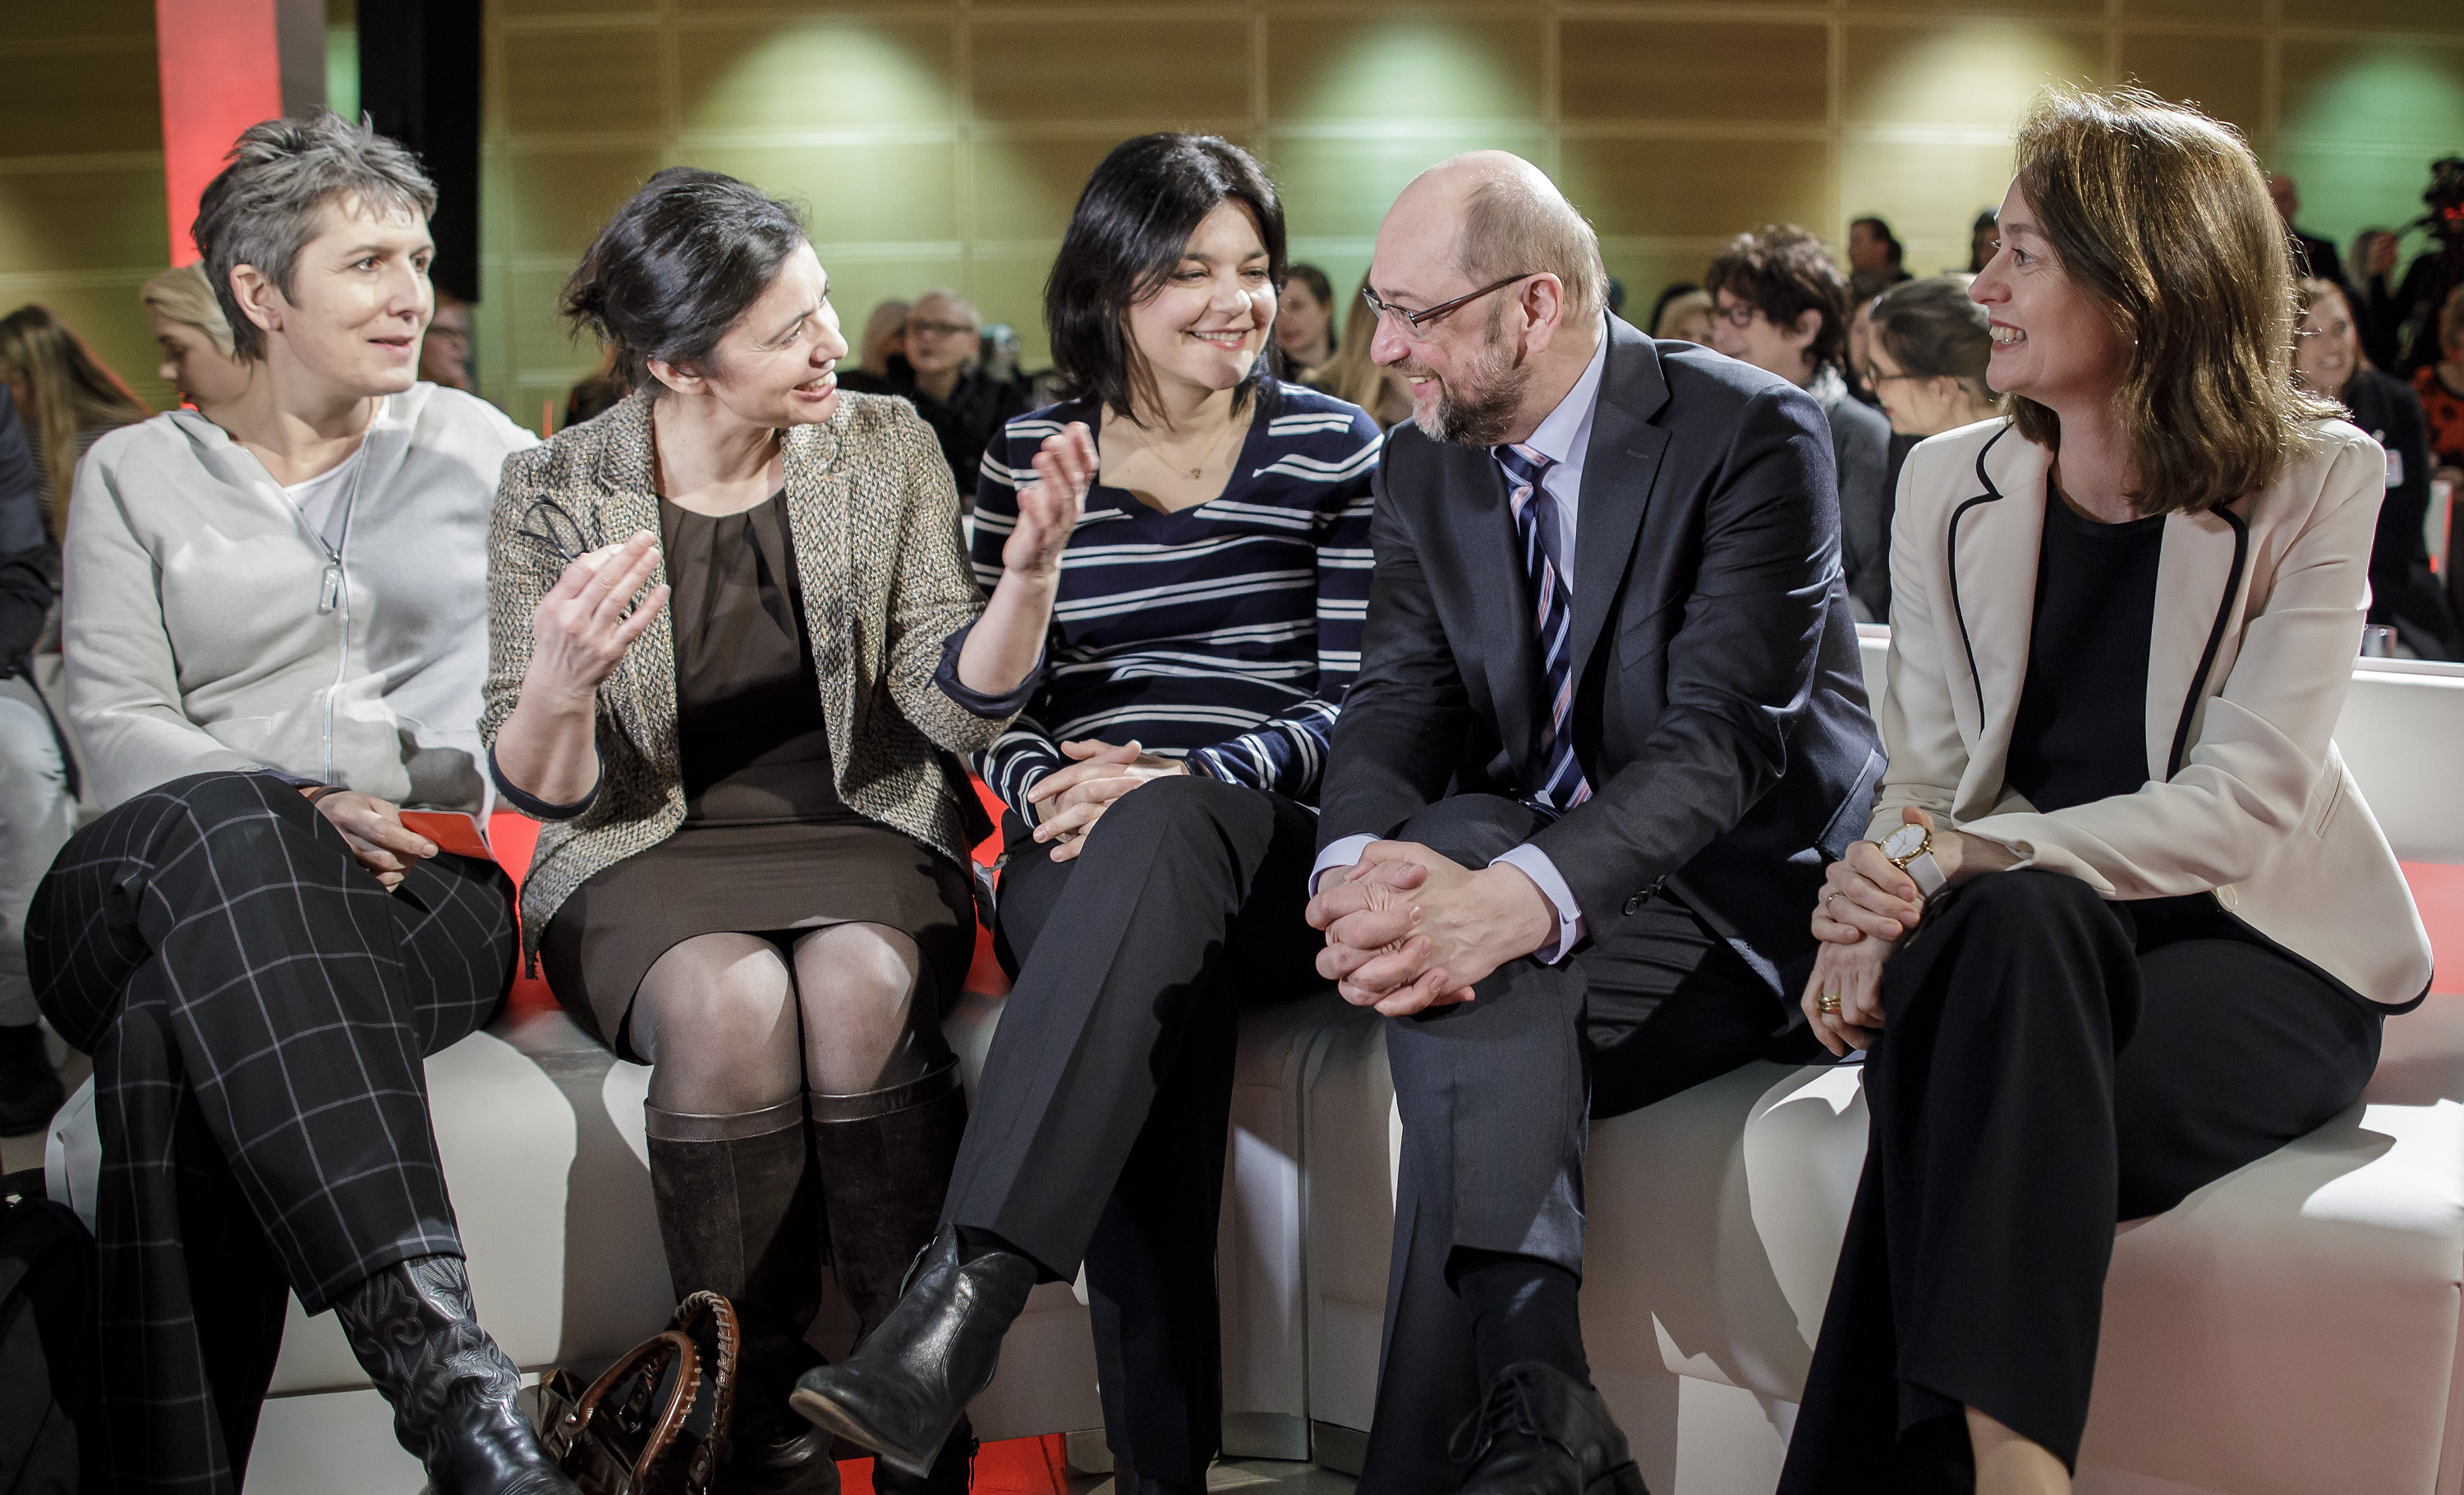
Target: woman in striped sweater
x,y
1160,785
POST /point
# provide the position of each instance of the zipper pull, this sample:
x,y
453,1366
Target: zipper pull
x,y
331,597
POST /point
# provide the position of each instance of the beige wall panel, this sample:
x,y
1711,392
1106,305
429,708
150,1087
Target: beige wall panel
x,y
859,283
1404,67
1697,189
1954,10
1930,194
54,20
2234,12
2222,74
1694,70
1009,287
816,74
2442,15
525,10
2374,92
1972,74
1025,188
888,193
83,221
1647,272
582,82
77,101
554,199
1340,189
539,343
1164,69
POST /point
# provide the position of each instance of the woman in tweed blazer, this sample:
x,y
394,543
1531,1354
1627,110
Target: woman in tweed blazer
x,y
734,647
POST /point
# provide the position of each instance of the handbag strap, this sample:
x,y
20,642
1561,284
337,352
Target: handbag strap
x,y
672,1417
725,1338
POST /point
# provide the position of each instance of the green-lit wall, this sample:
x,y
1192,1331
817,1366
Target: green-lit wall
x,y
942,141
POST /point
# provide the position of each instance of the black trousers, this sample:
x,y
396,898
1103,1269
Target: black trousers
x,y
1497,1096
257,1007
2050,1063
1099,1126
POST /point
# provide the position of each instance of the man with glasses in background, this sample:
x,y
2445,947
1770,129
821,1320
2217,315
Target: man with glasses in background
x,y
939,374
1609,726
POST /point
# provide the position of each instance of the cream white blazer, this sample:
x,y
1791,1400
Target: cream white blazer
x,y
2258,619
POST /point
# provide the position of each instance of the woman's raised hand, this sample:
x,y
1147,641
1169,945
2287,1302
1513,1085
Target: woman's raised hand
x,y
1048,508
580,629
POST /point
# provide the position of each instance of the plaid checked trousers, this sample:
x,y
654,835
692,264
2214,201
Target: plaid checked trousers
x,y
257,1007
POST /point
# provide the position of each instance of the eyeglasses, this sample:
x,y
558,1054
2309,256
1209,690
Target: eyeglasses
x,y
550,528
1410,323
1740,316
939,329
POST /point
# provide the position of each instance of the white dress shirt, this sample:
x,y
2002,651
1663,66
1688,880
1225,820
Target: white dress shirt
x,y
1563,436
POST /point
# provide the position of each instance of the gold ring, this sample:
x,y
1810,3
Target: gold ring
x,y
1826,905
1828,1001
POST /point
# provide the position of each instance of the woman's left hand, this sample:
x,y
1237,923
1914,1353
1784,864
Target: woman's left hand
x,y
1048,508
1076,797
1852,976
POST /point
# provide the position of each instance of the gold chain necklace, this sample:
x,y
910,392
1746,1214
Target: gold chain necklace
x,y
1212,448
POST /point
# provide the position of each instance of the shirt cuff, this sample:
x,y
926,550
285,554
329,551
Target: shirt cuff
x,y
1342,854
990,707
1533,863
531,804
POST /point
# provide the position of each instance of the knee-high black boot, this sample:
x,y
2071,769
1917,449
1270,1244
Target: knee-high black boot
x,y
739,1213
452,1387
886,1157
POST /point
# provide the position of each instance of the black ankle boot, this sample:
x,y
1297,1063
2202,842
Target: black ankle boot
x,y
30,1091
739,1213
451,1388
1541,1432
903,1390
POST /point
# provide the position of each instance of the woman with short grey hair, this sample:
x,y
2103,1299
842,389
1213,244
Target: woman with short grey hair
x,y
275,632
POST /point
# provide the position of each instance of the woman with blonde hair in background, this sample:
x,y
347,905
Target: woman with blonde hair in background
x,y
66,397
1355,378
2124,923
198,358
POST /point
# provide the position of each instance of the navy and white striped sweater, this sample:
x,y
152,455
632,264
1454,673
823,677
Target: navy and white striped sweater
x,y
1223,634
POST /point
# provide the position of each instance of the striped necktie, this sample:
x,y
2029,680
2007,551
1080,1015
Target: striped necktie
x,y
1563,787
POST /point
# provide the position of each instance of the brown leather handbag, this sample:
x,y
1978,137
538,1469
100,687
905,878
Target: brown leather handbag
x,y
655,1422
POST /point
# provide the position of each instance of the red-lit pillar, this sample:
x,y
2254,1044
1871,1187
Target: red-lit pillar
x,y
222,71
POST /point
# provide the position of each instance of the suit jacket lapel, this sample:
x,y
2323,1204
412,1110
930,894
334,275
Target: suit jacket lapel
x,y
2191,574
1994,550
1619,468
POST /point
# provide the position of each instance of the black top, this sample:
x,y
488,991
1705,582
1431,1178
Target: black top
x,y
2082,732
750,726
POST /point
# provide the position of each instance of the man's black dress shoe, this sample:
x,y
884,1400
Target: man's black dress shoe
x,y
902,1391
1541,1432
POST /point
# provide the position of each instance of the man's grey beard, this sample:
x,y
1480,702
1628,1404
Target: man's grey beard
x,y
1480,414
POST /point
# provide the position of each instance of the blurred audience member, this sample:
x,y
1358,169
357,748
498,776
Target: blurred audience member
x,y
1860,332
2312,255
1982,236
2441,386
884,342
2328,359
1686,316
1873,256
445,353
1779,303
602,390
1617,297
1659,308
37,804
999,360
198,359
66,399
2376,317
939,374
1304,322
1925,361
1354,376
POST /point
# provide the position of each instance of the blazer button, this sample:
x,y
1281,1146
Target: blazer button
x,y
1634,903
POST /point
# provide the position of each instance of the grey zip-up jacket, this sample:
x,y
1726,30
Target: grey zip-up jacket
x,y
205,625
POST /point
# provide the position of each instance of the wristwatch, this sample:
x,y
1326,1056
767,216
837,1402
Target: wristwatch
x,y
1910,849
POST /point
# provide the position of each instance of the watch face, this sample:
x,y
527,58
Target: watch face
x,y
1903,843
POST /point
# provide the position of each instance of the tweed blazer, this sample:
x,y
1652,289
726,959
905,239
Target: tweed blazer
x,y
874,519
2258,619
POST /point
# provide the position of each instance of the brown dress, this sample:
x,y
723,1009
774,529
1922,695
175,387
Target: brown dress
x,y
767,847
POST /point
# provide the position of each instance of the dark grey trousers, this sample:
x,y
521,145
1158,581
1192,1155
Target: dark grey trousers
x,y
257,1007
1497,1097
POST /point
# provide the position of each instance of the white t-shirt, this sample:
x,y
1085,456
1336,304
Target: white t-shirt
x,y
323,500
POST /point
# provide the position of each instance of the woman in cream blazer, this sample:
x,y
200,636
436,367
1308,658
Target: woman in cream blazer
x,y
2124,923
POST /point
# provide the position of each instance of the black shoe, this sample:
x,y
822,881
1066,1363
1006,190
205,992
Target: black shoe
x,y
903,1389
451,1388
1541,1432
29,1093
774,1451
